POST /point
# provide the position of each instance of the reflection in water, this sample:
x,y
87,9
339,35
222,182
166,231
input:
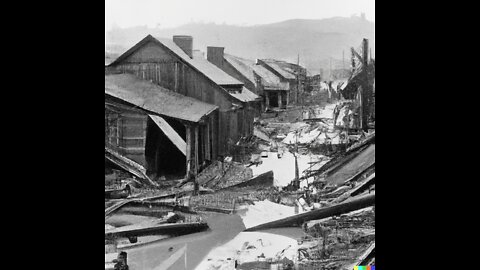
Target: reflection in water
x,y
223,228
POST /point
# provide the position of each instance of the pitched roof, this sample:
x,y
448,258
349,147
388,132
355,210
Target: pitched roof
x,y
248,67
154,98
287,70
200,64
210,70
246,95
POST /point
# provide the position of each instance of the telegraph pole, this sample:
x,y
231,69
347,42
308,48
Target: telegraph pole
x,y
366,91
298,71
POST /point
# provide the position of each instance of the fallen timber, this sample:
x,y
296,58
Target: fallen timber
x,y
297,220
364,185
264,179
115,207
155,229
342,158
335,163
364,259
130,166
367,255
109,211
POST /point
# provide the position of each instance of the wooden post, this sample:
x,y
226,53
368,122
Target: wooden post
x,y
365,94
279,96
189,148
267,100
207,139
196,150
213,127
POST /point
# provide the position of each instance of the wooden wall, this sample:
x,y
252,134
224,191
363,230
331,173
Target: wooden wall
x,y
125,132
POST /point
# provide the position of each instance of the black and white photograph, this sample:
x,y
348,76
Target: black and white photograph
x,y
239,134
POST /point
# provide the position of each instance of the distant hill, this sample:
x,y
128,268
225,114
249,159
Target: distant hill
x,y
315,40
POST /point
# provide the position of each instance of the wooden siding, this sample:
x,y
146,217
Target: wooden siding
x,y
125,132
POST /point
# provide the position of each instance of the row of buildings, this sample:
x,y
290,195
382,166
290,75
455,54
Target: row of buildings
x,y
169,109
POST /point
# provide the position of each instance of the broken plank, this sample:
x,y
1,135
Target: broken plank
x,y
129,165
171,228
357,190
363,259
170,133
334,210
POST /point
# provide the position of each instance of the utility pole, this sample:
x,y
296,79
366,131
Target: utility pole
x,y
298,71
366,91
297,173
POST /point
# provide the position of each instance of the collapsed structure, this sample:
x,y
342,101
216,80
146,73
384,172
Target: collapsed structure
x,y
170,111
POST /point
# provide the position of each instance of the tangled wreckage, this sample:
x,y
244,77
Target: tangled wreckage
x,y
309,168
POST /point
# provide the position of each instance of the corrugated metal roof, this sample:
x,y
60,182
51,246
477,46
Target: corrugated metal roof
x,y
248,67
203,65
154,98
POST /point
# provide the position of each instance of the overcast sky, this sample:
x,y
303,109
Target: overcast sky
x,y
171,13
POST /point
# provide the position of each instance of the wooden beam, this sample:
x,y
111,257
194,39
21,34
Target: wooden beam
x,y
207,143
338,209
189,148
213,127
170,133
196,150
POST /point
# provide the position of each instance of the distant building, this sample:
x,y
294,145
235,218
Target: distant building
x,y
293,75
277,82
256,78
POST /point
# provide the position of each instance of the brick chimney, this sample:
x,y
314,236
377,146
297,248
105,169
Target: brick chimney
x,y
215,55
185,43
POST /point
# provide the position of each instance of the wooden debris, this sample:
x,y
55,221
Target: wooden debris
x,y
299,219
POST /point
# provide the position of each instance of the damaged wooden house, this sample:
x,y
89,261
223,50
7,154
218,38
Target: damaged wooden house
x,y
151,131
171,64
277,82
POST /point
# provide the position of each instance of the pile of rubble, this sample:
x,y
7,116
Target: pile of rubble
x,y
337,242
223,174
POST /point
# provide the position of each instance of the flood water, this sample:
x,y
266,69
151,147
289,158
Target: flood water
x,y
223,228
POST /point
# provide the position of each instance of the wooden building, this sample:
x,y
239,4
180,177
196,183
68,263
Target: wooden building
x,y
293,75
256,78
157,130
173,65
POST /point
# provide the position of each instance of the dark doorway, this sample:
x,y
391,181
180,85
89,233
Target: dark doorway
x,y
163,157
273,99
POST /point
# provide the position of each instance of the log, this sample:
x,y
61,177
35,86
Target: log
x,y
297,220
142,230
